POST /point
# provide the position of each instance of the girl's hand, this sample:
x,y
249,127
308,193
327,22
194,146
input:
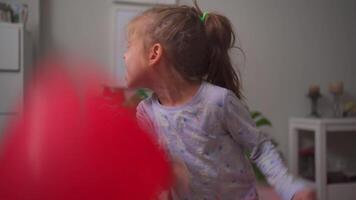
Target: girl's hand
x,y
306,194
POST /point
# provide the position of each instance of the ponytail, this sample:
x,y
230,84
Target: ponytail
x,y
221,38
196,44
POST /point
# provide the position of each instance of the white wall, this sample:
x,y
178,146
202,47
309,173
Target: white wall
x,y
78,25
289,45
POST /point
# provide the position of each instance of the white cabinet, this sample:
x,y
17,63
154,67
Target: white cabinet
x,y
9,47
321,128
15,60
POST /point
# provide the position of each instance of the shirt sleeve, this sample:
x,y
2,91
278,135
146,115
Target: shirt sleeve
x,y
143,118
243,130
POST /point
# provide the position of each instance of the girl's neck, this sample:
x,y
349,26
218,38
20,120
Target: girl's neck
x,y
173,90
175,95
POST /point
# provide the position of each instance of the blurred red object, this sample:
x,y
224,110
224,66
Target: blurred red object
x,y
70,145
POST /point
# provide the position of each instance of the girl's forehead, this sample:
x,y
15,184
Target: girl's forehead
x,y
137,32
133,30
140,24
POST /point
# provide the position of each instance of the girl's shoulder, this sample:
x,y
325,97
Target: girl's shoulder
x,y
215,93
208,94
145,104
223,98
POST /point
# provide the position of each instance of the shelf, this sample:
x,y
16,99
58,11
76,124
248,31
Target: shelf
x,y
9,24
320,129
341,191
323,120
330,124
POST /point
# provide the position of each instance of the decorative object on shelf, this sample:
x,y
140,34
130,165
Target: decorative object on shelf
x,y
307,162
13,13
314,95
5,12
349,108
337,89
19,13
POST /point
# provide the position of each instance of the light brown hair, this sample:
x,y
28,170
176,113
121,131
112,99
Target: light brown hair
x,y
198,49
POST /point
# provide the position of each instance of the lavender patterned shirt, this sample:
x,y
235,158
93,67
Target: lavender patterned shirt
x,y
211,134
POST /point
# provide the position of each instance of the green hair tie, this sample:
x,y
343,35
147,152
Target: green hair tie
x,y
203,17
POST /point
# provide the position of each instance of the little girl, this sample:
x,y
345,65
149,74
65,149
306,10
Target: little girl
x,y
182,55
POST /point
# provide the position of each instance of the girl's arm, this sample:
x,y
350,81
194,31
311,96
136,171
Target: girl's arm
x,y
239,123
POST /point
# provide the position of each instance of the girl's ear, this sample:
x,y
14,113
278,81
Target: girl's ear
x,y
155,54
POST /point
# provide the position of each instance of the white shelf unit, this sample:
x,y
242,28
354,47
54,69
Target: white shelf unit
x,y
15,62
321,127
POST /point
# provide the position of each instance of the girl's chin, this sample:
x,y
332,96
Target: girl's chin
x,y
128,81
130,84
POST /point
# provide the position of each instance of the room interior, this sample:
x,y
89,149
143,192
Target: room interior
x,y
298,72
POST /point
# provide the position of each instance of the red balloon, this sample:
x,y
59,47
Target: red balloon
x,y
72,144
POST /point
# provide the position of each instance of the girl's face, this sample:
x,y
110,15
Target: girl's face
x,y
136,61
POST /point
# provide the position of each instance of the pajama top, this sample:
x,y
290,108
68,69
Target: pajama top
x,y
212,135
